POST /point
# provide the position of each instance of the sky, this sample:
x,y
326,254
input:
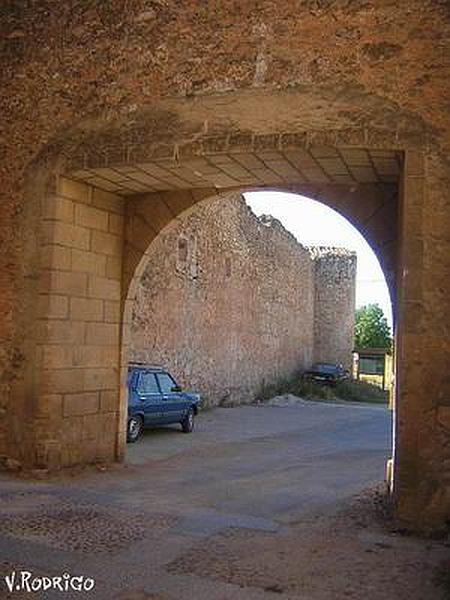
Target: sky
x,y
315,224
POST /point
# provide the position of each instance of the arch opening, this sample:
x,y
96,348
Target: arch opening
x,y
193,310
177,275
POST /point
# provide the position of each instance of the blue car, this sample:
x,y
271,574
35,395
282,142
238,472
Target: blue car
x,y
155,398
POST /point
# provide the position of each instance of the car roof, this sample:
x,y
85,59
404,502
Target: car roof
x,y
146,366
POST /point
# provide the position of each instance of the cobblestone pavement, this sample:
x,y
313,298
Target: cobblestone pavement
x,y
259,502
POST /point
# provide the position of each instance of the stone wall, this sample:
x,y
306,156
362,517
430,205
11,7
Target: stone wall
x,y
334,304
226,302
76,341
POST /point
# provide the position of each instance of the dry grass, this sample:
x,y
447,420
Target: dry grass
x,y
350,391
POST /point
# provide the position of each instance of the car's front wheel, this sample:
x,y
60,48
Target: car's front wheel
x,y
187,424
134,429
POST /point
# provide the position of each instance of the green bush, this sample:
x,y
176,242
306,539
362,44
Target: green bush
x,y
305,388
360,391
350,390
296,386
276,388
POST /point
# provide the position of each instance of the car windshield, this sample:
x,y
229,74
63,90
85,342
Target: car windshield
x,y
324,368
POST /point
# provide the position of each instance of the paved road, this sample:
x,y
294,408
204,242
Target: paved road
x,y
255,468
267,462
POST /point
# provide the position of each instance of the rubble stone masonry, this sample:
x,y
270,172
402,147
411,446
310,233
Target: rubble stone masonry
x,y
334,304
229,302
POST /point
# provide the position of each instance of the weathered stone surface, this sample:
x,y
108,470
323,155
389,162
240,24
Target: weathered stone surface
x,y
334,305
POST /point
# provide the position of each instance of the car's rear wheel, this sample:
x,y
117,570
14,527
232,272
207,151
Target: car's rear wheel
x,y
187,424
135,428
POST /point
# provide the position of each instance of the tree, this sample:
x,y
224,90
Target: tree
x,y
371,328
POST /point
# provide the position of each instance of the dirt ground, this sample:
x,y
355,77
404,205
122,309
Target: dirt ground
x,y
358,552
259,502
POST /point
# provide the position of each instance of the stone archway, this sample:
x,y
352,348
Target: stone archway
x,y
108,185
